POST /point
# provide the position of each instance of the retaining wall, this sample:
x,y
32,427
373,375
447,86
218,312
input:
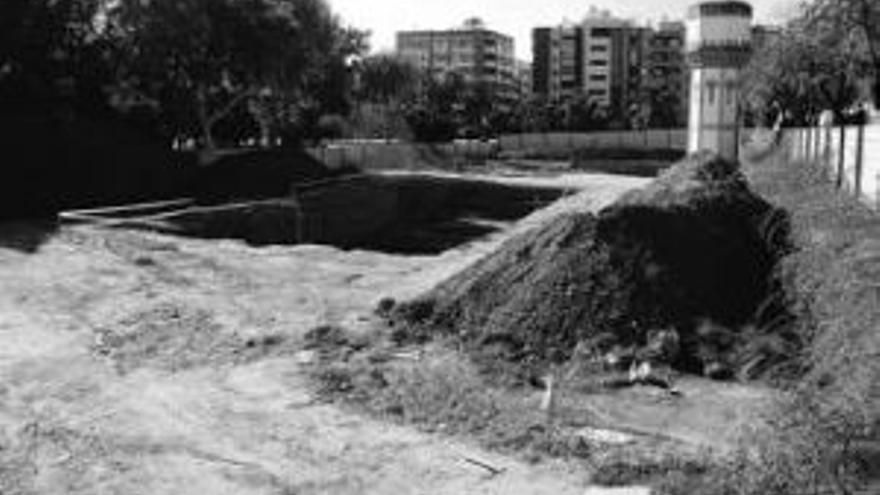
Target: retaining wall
x,y
381,155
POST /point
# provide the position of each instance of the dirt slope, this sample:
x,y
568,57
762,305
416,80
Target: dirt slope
x,y
685,253
135,363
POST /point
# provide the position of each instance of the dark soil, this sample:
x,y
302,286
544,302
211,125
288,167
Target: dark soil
x,y
689,253
257,174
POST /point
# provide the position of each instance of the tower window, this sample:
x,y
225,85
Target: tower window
x,y
710,92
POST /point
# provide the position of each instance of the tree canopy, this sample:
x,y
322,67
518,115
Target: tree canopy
x,y
50,49
201,60
194,67
824,59
856,23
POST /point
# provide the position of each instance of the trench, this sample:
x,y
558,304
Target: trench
x,y
412,214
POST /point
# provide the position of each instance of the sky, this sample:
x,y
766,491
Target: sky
x,y
513,17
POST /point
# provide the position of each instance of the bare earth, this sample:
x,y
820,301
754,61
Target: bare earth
x,y
137,363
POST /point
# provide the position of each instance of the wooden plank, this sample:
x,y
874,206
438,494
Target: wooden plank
x,y
155,205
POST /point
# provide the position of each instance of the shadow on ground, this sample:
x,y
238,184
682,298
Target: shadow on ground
x,y
434,214
26,237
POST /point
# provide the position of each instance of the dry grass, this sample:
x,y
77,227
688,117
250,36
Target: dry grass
x,y
438,389
824,434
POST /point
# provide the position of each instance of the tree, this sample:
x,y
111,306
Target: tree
x,y
810,67
578,114
435,115
386,82
385,78
203,59
855,21
51,51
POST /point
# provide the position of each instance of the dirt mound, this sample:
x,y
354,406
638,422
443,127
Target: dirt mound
x,y
690,253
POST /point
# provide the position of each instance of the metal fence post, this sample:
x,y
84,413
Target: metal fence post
x,y
860,152
826,155
809,146
841,156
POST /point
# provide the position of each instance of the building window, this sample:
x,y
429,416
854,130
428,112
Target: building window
x,y
599,62
710,92
599,77
599,48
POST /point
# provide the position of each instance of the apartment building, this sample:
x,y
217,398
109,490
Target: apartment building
x,y
558,61
523,77
600,57
479,54
606,55
628,69
665,82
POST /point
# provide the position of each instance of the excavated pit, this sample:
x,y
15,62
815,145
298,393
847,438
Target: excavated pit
x,y
394,213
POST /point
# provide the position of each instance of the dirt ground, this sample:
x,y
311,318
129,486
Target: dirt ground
x,y
138,363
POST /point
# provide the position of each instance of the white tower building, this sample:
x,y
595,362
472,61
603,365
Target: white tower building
x,y
718,45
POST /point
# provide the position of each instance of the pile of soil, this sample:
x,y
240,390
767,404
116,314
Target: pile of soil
x,y
690,253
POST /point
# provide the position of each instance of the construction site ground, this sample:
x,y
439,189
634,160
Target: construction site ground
x,y
139,363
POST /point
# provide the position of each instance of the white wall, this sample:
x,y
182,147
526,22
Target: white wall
x,y
871,165
816,144
717,29
714,115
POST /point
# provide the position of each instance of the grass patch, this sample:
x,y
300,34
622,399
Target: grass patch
x,y
438,391
823,435
436,388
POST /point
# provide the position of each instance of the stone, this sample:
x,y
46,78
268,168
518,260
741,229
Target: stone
x,y
612,437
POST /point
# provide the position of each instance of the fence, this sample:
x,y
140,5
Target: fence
x,y
373,155
851,154
566,142
382,155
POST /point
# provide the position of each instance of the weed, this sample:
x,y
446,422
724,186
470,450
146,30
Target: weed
x,y
820,437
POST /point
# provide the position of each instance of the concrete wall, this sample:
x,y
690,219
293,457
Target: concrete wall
x,y
852,156
569,141
379,155
372,155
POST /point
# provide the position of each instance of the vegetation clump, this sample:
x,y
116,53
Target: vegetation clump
x,y
822,435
